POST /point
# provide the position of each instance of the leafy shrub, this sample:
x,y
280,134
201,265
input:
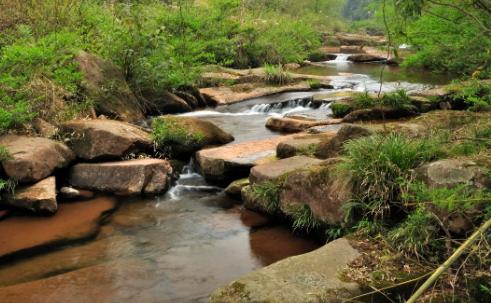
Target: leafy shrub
x,y
476,94
379,163
169,130
276,75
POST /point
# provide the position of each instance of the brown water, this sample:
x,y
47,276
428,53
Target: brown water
x,y
177,247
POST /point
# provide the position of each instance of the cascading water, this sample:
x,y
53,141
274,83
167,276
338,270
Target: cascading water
x,y
190,181
341,58
285,107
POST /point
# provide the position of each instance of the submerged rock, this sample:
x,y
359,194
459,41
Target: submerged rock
x,y
104,82
133,177
105,139
72,222
312,277
232,162
33,158
37,198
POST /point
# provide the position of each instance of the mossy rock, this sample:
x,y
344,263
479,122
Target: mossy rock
x,y
183,136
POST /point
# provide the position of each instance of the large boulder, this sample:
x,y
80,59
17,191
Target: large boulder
x,y
365,58
165,102
33,159
276,169
37,198
378,113
104,139
186,135
450,173
332,146
133,177
309,278
104,83
232,162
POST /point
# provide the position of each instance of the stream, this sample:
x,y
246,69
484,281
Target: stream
x,y
181,246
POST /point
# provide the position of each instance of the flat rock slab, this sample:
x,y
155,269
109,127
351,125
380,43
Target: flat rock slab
x,y
73,221
276,169
233,162
33,158
105,139
311,277
454,172
296,124
38,198
105,282
306,145
133,177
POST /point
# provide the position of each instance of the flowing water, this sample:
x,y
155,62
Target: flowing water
x,y
180,246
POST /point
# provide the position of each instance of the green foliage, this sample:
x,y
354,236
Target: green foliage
x,y
417,235
314,84
169,130
5,185
379,163
396,100
269,192
340,109
364,100
476,94
276,75
303,218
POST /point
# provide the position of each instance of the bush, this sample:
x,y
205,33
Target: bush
x,y
476,95
276,75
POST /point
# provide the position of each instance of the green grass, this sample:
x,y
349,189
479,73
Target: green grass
x,y
379,164
314,84
303,218
341,109
5,185
276,75
171,130
269,192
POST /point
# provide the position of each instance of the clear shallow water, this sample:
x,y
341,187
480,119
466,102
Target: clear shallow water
x,y
181,246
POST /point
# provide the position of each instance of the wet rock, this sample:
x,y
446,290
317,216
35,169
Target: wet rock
x,y
350,49
32,158
296,124
43,128
312,277
105,282
365,58
276,169
198,134
232,162
72,222
379,113
165,102
235,188
321,56
330,147
104,82
292,66
105,139
70,193
306,145
37,198
453,172
133,177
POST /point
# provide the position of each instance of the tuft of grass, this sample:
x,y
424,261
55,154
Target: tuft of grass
x,y
276,75
340,109
364,100
417,235
314,84
379,163
396,100
303,218
6,185
170,130
269,192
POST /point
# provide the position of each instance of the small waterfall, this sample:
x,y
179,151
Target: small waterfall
x,y
341,58
284,107
190,181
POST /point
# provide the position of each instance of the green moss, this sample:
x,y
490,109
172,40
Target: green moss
x,y
171,130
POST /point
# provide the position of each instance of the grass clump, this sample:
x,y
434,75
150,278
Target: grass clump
x,y
340,109
5,184
269,193
379,163
276,75
303,218
314,84
170,130
396,100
